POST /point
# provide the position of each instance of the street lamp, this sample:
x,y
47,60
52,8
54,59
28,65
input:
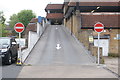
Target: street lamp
x,y
98,7
92,11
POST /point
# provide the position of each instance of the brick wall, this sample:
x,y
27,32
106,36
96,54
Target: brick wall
x,y
73,23
94,51
108,21
84,37
76,23
113,45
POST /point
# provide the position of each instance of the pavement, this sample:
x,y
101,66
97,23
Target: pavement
x,y
112,64
11,71
69,71
58,55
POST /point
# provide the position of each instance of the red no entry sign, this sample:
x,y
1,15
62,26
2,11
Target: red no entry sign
x,y
99,27
19,27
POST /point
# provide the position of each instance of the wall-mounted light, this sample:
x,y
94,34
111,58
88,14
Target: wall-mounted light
x,y
92,11
98,7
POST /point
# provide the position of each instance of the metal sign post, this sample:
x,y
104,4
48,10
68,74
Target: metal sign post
x,y
19,54
98,48
19,28
99,27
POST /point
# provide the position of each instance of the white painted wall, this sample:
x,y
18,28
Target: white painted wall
x,y
104,43
22,41
32,40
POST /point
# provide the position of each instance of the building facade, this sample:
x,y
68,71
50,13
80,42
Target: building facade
x,y
54,14
80,18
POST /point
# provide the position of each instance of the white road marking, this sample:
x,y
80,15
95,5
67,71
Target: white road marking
x,y
58,47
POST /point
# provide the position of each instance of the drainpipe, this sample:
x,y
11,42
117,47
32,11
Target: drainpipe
x,y
78,15
77,6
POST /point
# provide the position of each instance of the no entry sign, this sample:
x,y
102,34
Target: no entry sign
x,y
19,27
99,27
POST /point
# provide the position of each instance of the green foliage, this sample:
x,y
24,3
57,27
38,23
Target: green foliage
x,y
13,20
25,16
0,30
2,25
102,61
2,18
113,55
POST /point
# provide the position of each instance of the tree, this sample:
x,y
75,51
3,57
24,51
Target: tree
x,y
2,18
2,23
13,20
25,16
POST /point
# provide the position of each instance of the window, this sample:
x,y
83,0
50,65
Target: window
x,y
118,36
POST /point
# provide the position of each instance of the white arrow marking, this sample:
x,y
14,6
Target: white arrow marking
x,y
56,28
58,47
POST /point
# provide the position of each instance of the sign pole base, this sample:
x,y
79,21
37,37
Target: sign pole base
x,y
19,60
19,63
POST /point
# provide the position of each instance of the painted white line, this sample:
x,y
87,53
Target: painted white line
x,y
19,27
98,27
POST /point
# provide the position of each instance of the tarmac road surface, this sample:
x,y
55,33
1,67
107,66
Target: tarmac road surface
x,y
58,55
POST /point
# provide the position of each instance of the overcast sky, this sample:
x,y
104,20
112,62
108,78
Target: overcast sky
x,y
10,7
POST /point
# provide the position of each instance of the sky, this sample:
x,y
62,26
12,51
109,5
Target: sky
x,y
10,7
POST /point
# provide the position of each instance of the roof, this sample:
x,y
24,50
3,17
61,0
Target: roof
x,y
54,6
94,3
54,16
34,20
109,21
92,0
30,27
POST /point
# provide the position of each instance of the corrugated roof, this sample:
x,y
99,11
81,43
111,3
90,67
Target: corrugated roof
x,y
94,4
54,16
91,0
54,6
110,21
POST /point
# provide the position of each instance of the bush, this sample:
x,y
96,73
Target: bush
x,y
113,55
